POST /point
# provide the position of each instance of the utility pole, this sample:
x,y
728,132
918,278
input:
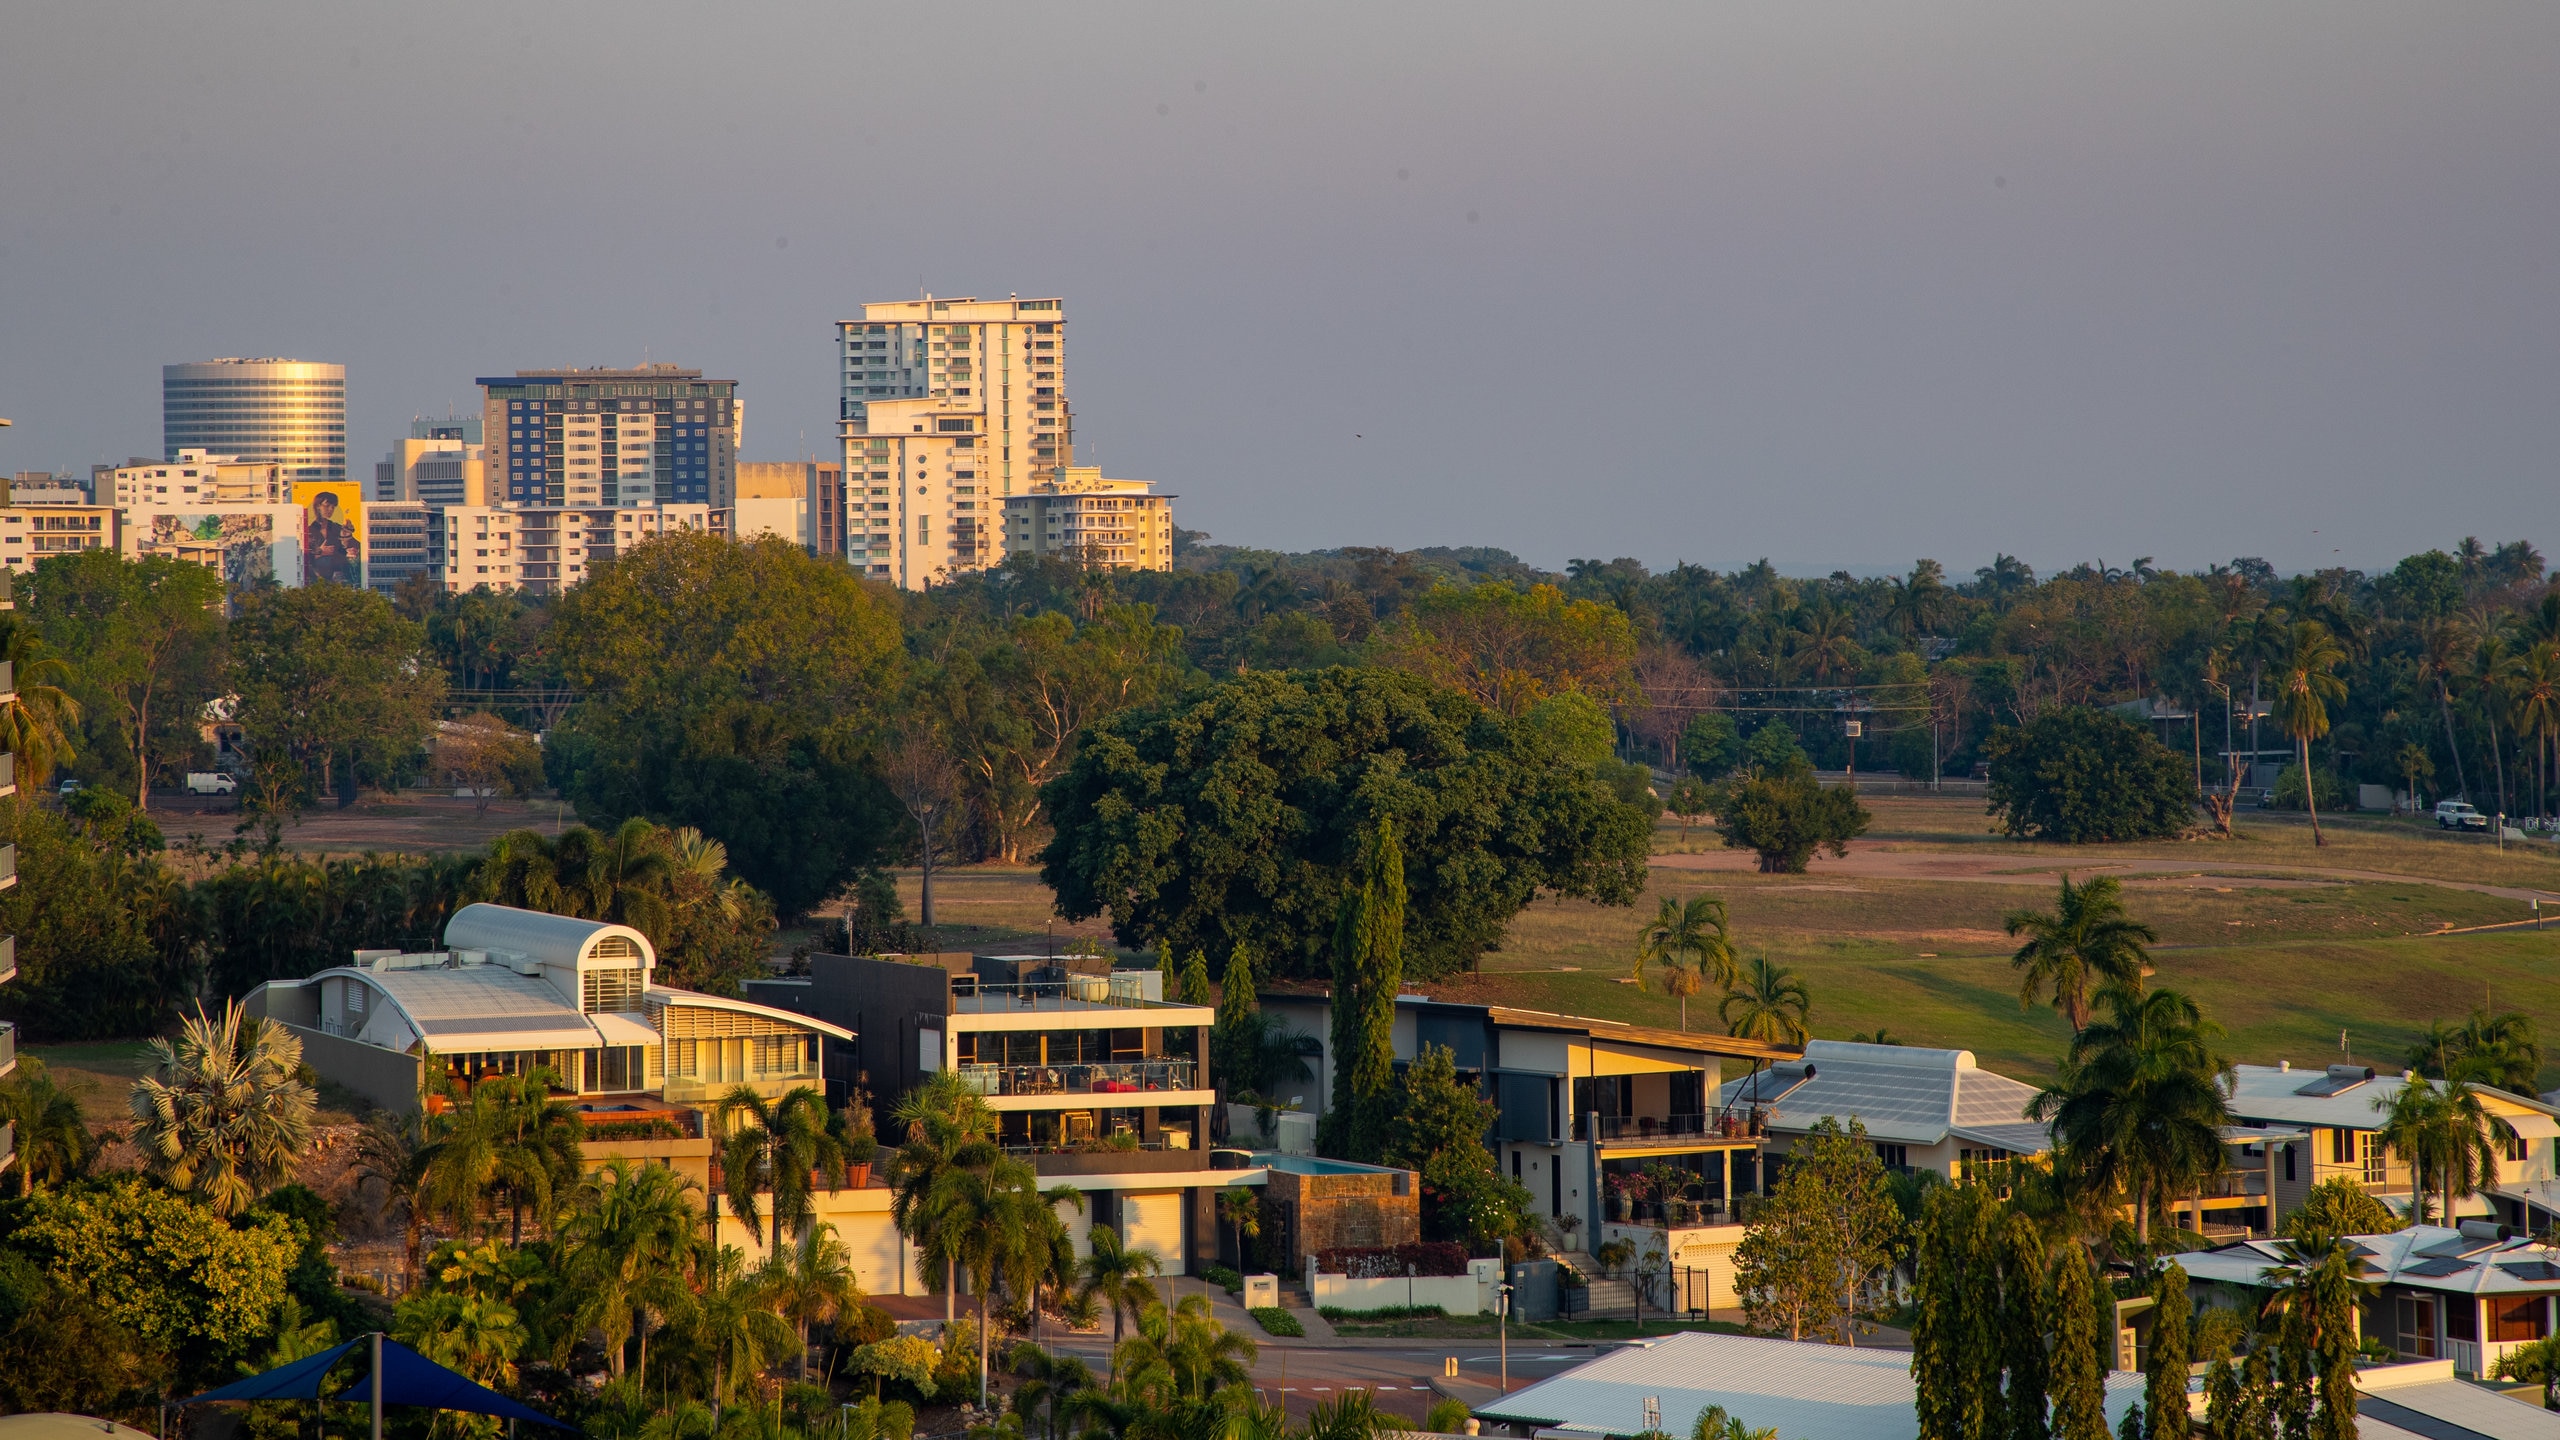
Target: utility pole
x,y
1502,1326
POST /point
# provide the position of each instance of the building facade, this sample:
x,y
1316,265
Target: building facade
x,y
947,407
657,434
396,543
30,532
290,413
439,462
1078,515
544,549
800,500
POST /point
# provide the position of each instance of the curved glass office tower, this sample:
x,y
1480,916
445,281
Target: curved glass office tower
x,y
277,412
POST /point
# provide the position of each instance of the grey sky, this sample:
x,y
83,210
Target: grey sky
x,y
1841,286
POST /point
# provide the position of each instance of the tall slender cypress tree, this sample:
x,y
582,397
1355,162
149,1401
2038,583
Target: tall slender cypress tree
x,y
2026,1313
2078,1382
2165,1396
2333,1306
1368,970
1956,1349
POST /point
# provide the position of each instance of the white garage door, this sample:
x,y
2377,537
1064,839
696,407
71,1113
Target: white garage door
x,y
1153,1221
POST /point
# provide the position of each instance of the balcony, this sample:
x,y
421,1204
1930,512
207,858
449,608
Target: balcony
x,y
8,675
8,1048
1737,1127
8,773
8,1144
1152,1159
8,866
1129,1078
8,958
1076,992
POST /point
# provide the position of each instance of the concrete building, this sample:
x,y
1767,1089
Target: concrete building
x,y
195,477
947,406
289,413
440,462
544,549
42,487
1083,1065
656,434
1079,515
30,532
801,501
398,542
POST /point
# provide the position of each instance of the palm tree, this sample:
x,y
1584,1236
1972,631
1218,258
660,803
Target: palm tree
x,y
2531,682
222,1115
459,1162
1049,1381
627,1245
2085,942
1241,1210
730,1322
2138,1104
536,1152
2306,686
2446,1134
1119,1276
55,1144
998,1223
1769,1004
940,1116
2486,1049
35,723
810,1282
1692,945
388,1164
786,1142
2439,659
1204,1356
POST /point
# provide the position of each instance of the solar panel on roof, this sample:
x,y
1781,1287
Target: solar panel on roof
x,y
2437,1267
2531,1271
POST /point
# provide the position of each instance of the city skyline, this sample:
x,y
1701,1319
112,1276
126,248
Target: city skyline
x,y
1836,289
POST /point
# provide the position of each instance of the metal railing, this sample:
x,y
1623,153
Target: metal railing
x,y
1091,1147
1129,1078
2235,1185
1076,992
8,1047
8,958
8,865
1738,1123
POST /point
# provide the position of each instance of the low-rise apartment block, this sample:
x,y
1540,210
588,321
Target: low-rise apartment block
x,y
1079,515
31,532
545,549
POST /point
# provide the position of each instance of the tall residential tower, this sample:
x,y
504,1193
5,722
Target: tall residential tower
x,y
291,413
948,406
657,434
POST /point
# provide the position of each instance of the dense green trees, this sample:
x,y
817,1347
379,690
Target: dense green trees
x,y
2138,1107
148,635
2077,775
1236,816
1368,974
334,688
733,688
1436,1128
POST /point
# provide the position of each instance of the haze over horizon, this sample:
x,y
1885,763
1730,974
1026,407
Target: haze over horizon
x,y
1842,287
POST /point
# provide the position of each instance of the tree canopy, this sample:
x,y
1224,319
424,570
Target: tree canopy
x,y
1233,815
2079,775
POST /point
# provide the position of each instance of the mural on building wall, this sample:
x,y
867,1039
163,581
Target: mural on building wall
x,y
332,530
239,543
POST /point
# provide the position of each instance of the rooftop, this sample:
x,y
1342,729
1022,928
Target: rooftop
x,y
1807,1391
2354,1097
1902,1093
2477,1259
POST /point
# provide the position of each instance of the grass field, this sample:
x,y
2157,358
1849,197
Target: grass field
x,y
2283,960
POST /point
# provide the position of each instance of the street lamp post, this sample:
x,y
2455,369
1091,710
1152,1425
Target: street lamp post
x,y
1502,1326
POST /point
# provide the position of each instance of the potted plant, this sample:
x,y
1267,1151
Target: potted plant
x,y
861,1146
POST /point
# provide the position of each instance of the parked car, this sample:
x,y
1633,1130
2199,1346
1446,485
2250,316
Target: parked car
x,y
69,787
2459,815
211,782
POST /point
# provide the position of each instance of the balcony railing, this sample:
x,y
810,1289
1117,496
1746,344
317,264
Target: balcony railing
x,y
2236,1185
8,866
8,1048
8,773
8,675
1722,1124
1076,992
1130,1078
8,958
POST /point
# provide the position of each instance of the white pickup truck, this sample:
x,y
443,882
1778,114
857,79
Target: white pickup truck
x,y
2459,815
211,782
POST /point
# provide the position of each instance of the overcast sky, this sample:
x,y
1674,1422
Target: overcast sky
x,y
1840,286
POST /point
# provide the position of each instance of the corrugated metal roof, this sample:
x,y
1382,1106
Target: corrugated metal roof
x,y
2312,1097
2424,1399
2504,1267
1904,1093
557,939
1807,1391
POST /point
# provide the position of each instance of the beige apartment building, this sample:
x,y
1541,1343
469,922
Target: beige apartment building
x,y
948,407
1080,515
29,533
197,477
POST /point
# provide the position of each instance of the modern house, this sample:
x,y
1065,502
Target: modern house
x,y
2467,1294
1094,1077
1923,1109
2335,1117
1615,1130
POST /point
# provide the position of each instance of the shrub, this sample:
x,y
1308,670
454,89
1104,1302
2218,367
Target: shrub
x,y
1277,1321
1222,1277
1784,819
1380,1262
1447,1416
2287,794
657,1128
1385,1312
2080,775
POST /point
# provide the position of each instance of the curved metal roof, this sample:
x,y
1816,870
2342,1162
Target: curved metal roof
x,y
554,939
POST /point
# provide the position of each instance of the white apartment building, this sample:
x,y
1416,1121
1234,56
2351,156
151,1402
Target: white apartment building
x,y
948,406
197,477
1081,515
439,462
545,549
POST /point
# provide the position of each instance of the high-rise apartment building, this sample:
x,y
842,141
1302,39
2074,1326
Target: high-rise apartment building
x,y
291,413
948,406
440,462
654,435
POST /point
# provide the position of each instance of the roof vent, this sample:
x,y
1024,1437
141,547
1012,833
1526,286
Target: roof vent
x,y
2284,1067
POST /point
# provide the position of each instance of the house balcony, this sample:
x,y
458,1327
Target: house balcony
x,y
1075,994
8,958
8,773
8,866
8,1144
8,1048
1157,1080
1719,1129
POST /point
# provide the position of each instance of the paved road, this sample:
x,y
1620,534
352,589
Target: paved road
x,y
1304,1374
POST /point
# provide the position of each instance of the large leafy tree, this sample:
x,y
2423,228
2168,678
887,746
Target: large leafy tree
x,y
1236,815
1437,1130
1510,647
1822,1241
148,634
2086,941
172,1271
330,680
2500,1050
1784,818
734,688
2080,775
